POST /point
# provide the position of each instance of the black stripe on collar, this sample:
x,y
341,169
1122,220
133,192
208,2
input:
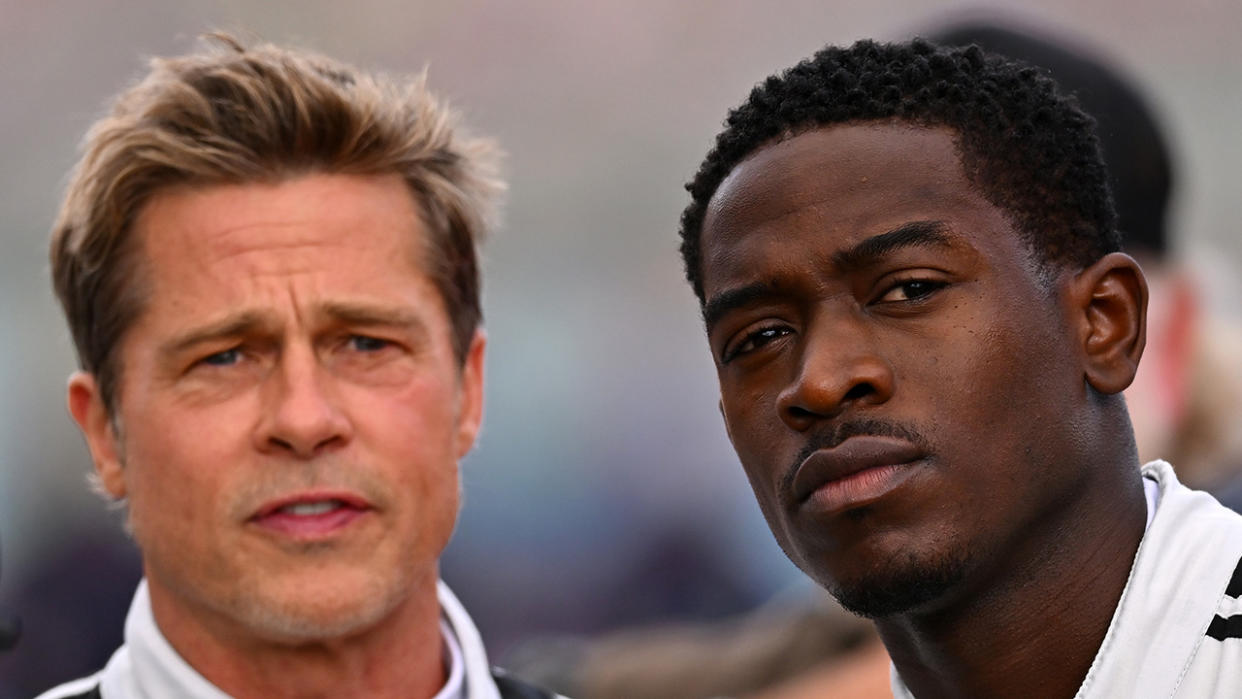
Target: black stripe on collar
x,y
1235,583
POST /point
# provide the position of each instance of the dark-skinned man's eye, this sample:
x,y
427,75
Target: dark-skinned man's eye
x,y
754,341
911,290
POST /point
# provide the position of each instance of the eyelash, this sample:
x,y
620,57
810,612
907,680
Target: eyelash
x,y
932,286
367,343
756,338
233,353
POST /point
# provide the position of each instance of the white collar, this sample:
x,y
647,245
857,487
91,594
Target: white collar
x,y
1172,587
147,667
1179,575
455,686
478,672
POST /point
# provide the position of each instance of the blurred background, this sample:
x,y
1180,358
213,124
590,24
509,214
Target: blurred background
x,y
603,492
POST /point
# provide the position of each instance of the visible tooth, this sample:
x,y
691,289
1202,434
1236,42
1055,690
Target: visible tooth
x,y
305,509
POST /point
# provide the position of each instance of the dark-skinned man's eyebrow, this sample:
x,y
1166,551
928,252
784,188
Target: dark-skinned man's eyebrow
x,y
907,235
717,306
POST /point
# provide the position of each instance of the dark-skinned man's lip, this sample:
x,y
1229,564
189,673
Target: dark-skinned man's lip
x,y
857,471
310,515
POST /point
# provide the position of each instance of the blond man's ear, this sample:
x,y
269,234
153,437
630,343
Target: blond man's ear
x,y
470,411
86,405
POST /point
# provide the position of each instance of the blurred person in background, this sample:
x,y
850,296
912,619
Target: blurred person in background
x,y
10,625
268,264
1185,398
1181,405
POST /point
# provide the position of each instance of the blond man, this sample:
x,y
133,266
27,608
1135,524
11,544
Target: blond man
x,y
268,264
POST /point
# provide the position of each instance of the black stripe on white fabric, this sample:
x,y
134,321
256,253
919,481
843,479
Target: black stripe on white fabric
x,y
1222,627
1235,583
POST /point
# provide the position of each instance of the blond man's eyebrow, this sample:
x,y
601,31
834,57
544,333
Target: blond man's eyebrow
x,y
349,313
241,323
249,322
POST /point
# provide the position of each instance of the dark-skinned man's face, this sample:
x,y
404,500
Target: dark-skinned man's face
x,y
897,375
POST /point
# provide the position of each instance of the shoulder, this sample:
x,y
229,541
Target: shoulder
x,y
1228,620
1188,508
1193,585
1215,669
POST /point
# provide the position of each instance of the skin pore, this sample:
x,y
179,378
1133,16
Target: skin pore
x,y
926,413
291,416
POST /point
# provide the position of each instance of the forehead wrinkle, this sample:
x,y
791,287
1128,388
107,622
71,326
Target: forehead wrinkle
x,y
298,317
239,241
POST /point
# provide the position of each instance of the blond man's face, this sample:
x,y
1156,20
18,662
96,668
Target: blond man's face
x,y
291,412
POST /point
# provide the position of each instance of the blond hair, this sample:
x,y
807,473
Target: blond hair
x,y
234,114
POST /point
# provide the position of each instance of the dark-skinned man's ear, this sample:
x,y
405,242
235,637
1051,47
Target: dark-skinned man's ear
x,y
1110,304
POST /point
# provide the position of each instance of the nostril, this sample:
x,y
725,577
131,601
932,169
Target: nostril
x,y
800,413
861,390
281,443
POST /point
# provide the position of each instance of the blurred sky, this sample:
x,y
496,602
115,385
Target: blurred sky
x,y
602,451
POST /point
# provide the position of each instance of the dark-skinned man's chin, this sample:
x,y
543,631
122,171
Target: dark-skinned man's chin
x,y
897,589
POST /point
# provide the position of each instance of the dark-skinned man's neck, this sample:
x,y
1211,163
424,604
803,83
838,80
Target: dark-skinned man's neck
x,y
1032,625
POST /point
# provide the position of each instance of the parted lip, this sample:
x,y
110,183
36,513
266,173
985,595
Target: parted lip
x,y
350,499
855,454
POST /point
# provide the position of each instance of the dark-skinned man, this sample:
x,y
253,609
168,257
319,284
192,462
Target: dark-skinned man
x,y
909,270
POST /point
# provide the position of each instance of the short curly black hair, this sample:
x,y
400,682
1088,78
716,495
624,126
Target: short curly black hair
x,y
1030,150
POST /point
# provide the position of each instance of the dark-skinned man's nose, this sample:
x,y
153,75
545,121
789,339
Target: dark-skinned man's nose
x,y
839,367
